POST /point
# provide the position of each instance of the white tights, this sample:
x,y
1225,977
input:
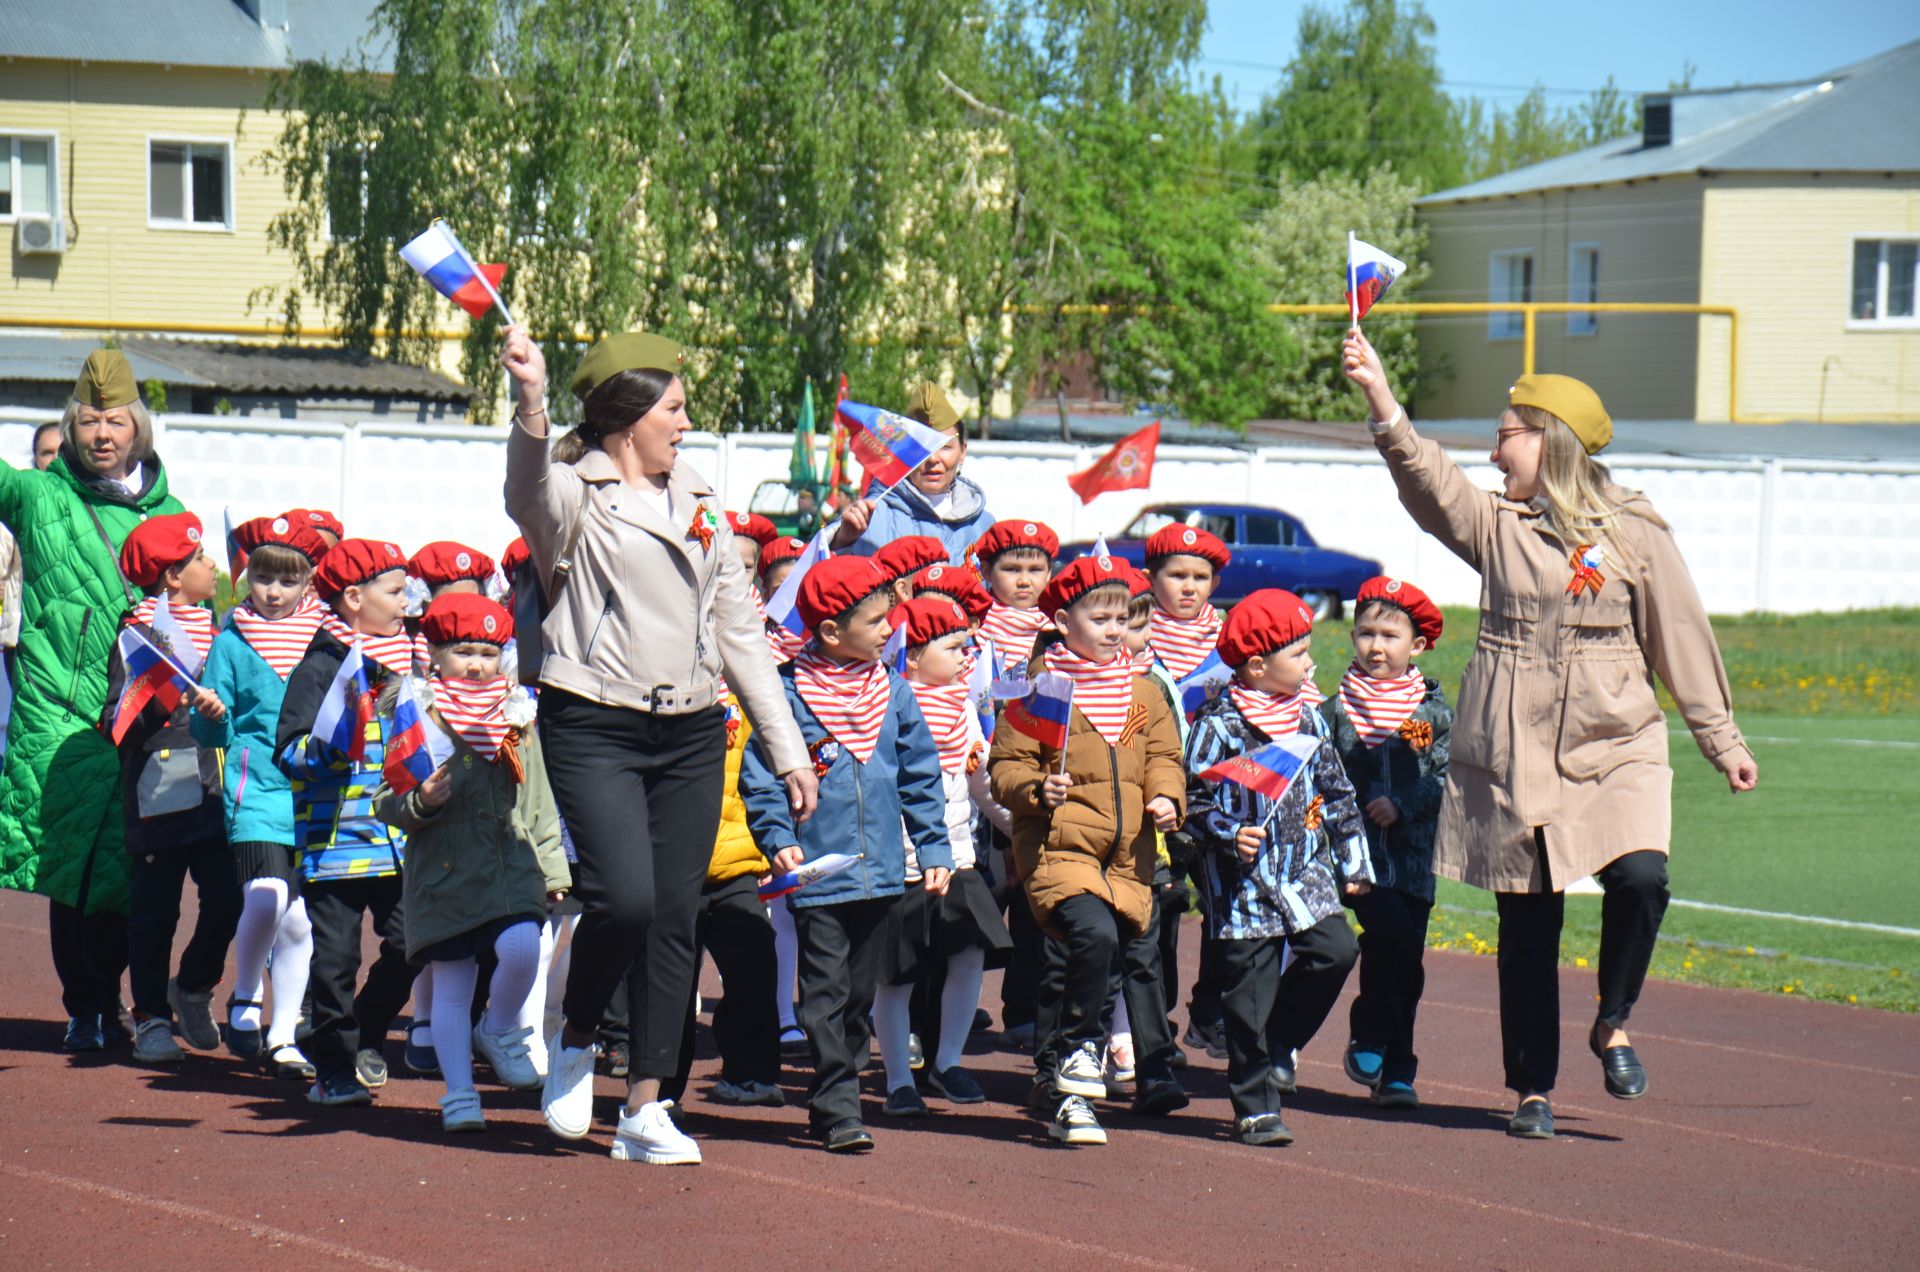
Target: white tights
x,y
786,959
958,999
269,924
518,948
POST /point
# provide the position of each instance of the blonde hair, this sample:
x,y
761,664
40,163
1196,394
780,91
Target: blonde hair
x,y
1577,489
138,453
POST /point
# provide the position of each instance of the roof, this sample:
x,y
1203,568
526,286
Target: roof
x,y
58,358
297,371
1856,119
222,33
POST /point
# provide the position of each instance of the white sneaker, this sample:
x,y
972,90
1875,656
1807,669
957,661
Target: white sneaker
x,y
153,1042
1082,1074
1074,1123
566,1099
508,1056
650,1136
460,1111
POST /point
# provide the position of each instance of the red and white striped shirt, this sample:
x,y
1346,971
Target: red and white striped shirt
x,y
394,652
783,643
1273,715
195,620
1102,692
1013,631
850,700
476,711
1379,707
1182,644
946,708
280,642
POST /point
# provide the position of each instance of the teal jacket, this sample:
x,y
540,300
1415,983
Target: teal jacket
x,y
60,808
258,796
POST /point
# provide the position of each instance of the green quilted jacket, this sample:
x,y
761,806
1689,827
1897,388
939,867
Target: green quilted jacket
x,y
60,821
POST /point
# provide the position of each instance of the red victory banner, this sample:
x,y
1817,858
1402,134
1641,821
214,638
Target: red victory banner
x,y
1128,466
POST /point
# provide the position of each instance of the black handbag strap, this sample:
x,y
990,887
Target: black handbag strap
x,y
113,554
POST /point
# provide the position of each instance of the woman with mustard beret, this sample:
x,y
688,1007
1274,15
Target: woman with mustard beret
x,y
1559,763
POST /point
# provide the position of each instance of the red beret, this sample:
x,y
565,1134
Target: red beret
x,y
1269,619
1079,578
250,536
353,561
1404,596
1179,540
782,548
318,519
754,526
909,554
836,585
1016,534
961,582
928,618
1138,584
466,616
443,562
516,554
157,545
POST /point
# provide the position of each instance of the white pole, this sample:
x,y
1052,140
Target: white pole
x,y
1353,301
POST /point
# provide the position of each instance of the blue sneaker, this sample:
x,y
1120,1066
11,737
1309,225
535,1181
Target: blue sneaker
x,y
1394,1095
1363,1064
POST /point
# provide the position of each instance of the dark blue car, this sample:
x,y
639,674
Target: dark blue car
x,y
1271,548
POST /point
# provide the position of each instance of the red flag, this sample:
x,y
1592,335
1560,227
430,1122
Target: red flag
x,y
1128,466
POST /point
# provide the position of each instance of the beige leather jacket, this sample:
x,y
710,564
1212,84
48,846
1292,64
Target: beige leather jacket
x,y
650,616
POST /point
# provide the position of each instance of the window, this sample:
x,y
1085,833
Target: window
x,y
1583,284
1267,531
188,186
346,193
28,176
1151,520
1886,275
1509,278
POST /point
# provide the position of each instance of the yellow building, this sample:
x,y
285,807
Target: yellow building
x,y
1797,204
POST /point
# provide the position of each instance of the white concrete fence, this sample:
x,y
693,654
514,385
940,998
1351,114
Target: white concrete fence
x,y
1785,535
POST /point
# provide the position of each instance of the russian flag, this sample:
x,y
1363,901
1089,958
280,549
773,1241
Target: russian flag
x,y
809,872
1270,770
894,652
1370,272
152,675
784,608
438,257
1203,684
347,709
175,639
888,446
980,684
416,746
1045,713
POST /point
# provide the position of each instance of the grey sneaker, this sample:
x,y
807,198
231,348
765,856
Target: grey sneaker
x,y
1075,1124
916,1054
371,1068
1083,1073
1262,1129
193,1009
153,1043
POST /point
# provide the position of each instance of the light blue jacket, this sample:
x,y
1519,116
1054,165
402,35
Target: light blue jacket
x,y
905,511
258,796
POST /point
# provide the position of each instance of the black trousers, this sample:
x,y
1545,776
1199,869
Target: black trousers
x,y
89,954
1393,975
1166,921
1270,1013
1203,1005
1529,959
156,880
641,796
733,927
1097,951
842,952
345,1022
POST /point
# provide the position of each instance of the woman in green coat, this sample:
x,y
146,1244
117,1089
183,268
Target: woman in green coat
x,y
61,833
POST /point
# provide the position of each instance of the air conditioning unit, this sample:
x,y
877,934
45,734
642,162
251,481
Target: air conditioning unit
x,y
40,236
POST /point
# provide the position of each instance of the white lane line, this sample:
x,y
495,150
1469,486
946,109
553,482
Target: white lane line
x,y
1755,737
1852,925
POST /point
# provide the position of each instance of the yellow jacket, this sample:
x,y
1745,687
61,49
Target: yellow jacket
x,y
734,852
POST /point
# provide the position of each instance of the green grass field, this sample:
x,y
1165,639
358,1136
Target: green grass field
x,y
1831,704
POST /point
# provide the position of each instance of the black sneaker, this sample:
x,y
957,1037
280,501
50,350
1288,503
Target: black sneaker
x,y
956,1086
338,1088
849,1135
1157,1097
84,1033
616,1060
981,1020
1285,1080
371,1068
1179,1058
905,1102
1262,1129
1075,1124
1044,1099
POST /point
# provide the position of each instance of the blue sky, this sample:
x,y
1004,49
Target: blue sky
x,y
1642,43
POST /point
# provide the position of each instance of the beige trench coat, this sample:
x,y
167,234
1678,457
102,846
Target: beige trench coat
x,y
1558,727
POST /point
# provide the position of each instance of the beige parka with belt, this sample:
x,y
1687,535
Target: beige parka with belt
x,y
1558,726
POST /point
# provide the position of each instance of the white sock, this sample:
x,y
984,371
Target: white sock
x,y
453,984
264,903
1122,1023
519,951
422,1006
786,958
292,957
561,963
892,1027
958,999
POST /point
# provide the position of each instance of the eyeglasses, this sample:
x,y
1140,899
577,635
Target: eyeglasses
x,y
1502,434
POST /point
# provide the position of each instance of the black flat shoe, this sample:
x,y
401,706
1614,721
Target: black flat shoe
x,y
848,1135
1157,1097
1626,1076
1532,1120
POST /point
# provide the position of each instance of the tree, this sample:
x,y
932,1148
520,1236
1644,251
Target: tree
x,y
1500,140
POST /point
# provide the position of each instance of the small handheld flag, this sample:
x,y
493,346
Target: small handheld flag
x,y
1044,714
893,655
1127,466
784,608
152,675
980,684
347,708
809,872
236,555
1269,770
888,446
1203,684
437,256
175,641
1370,272
417,746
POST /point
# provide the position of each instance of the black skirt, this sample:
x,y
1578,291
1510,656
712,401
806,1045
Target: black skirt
x,y
928,930
469,944
257,860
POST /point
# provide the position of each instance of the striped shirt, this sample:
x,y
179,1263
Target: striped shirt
x,y
946,708
1013,631
1273,715
280,642
1102,692
1182,644
1377,708
195,620
395,652
850,700
475,710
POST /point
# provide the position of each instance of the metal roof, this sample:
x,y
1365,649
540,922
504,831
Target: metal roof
x,y
1857,119
219,33
58,358
295,371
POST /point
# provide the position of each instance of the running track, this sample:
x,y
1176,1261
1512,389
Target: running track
x,y
1779,1133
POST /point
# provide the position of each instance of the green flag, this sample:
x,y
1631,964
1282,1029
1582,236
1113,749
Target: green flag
x,y
800,470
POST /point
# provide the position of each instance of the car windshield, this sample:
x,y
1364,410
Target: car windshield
x,y
772,499
1159,518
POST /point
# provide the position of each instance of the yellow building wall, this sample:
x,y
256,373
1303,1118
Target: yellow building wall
x,y
1648,235
1780,248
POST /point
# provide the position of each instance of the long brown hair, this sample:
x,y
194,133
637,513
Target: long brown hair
x,y
1583,504
620,400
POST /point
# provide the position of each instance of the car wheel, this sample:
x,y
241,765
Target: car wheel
x,y
1326,605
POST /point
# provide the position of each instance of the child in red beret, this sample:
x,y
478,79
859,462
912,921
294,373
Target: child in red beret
x,y
751,535
957,583
1184,564
1277,858
486,836
318,519
1016,557
1392,727
878,767
170,796
905,557
1084,817
777,561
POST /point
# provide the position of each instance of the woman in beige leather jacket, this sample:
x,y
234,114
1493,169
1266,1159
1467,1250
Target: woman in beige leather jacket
x,y
648,606
1559,761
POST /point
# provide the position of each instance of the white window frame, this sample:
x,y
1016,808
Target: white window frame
x,y
327,204
1510,325
1584,322
52,138
199,227
1909,322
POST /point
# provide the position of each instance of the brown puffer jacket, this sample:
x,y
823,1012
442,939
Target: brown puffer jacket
x,y
1101,840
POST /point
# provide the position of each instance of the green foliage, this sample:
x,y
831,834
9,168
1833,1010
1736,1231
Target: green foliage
x,y
1499,139
155,395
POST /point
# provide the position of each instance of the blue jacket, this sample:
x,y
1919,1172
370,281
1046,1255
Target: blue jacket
x,y
258,796
906,511
862,806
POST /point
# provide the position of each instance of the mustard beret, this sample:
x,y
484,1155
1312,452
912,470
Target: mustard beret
x,y
1572,401
106,381
628,351
930,406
